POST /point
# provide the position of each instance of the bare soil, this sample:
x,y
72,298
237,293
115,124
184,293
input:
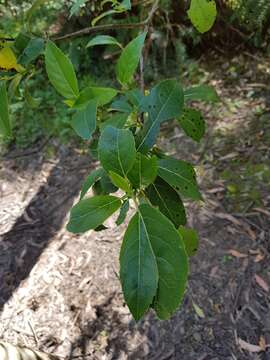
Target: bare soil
x,y
60,292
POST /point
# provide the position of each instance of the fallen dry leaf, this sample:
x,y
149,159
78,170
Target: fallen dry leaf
x,y
262,343
262,211
262,283
228,217
249,347
259,258
237,254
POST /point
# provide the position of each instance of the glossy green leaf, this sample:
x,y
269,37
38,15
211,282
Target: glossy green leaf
x,y
138,267
129,59
165,102
5,125
191,240
202,14
91,180
116,120
162,195
33,49
192,123
92,212
201,92
153,264
102,95
84,120
60,71
180,175
116,149
123,213
144,171
120,182
103,40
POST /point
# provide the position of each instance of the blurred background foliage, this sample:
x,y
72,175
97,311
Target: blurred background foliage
x,y
172,49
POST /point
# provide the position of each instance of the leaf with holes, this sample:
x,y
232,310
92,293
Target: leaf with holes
x,y
61,72
165,102
190,238
92,212
202,14
91,180
129,59
102,95
144,171
162,195
181,176
192,123
153,264
84,120
117,150
201,92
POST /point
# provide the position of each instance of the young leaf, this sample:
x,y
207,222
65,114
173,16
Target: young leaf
x,y
153,262
123,213
165,102
202,14
103,40
61,72
5,125
91,180
84,120
129,59
201,92
92,212
162,195
192,123
138,267
33,49
120,182
117,120
144,171
117,151
102,95
180,175
190,238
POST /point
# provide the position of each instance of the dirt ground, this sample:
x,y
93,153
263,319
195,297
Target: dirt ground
x,y
60,292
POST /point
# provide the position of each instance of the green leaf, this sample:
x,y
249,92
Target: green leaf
x,y
191,240
117,120
165,102
181,176
60,71
153,264
103,40
202,14
201,92
116,149
31,101
129,59
122,105
162,195
135,96
91,180
144,171
192,123
33,49
76,7
92,212
13,85
104,186
123,213
138,267
21,41
120,182
102,95
5,125
84,120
